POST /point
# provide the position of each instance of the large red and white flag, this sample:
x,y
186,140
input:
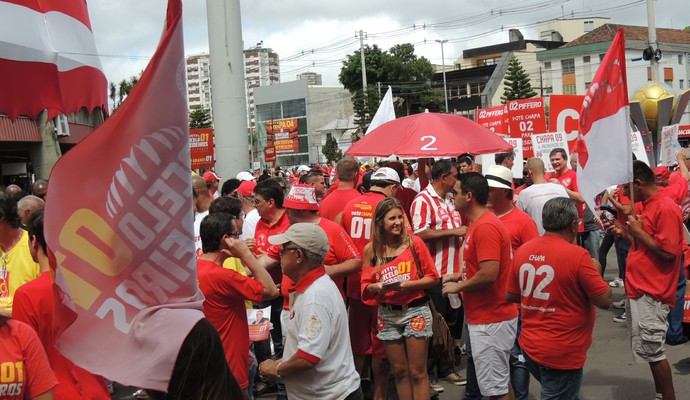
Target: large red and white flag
x,y
119,220
604,150
48,59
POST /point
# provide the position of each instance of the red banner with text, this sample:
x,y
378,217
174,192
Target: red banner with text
x,y
269,154
492,118
202,148
564,116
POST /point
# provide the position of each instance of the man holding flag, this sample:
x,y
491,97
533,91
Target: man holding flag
x,y
605,119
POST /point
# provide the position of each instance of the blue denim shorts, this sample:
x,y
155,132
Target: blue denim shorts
x,y
400,324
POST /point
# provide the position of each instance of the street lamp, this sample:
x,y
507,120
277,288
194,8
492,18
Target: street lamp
x,y
443,62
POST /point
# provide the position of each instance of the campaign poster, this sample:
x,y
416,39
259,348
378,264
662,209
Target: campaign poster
x,y
259,321
202,148
544,143
269,154
564,116
282,134
487,160
669,145
526,119
683,131
492,118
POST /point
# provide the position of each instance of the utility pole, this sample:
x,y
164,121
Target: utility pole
x,y
541,83
443,63
361,37
651,32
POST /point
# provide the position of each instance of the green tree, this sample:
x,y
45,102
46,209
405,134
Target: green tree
x,y
331,150
516,83
365,105
118,93
687,28
200,118
408,74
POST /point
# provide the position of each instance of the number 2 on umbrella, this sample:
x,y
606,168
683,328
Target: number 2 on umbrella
x,y
431,139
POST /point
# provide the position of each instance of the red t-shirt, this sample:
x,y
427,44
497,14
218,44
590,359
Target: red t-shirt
x,y
677,187
556,279
406,197
225,291
646,273
487,240
340,249
520,226
335,202
569,181
262,233
357,220
402,268
25,370
33,305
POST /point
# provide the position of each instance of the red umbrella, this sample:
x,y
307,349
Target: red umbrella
x,y
429,135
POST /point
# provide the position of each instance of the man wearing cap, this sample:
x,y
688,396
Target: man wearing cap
x,y
251,216
532,199
212,180
245,176
342,259
347,173
435,220
356,219
317,361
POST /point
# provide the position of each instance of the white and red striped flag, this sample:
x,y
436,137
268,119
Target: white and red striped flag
x,y
603,147
119,219
48,59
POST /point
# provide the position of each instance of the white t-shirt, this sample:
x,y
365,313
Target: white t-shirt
x,y
316,329
532,199
197,229
409,183
249,226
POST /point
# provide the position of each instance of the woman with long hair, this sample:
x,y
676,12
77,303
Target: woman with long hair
x,y
391,277
25,368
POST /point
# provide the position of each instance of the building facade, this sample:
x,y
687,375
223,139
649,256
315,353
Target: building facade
x,y
312,78
261,68
199,82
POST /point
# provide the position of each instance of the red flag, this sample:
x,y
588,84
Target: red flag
x,y
48,52
603,147
119,220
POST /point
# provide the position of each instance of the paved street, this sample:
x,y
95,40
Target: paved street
x,y
610,373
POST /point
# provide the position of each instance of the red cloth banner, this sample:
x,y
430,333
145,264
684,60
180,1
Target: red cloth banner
x,y
526,118
564,116
492,118
50,60
202,150
269,154
282,134
119,221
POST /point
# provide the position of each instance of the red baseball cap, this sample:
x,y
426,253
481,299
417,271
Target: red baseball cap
x,y
661,174
210,176
246,188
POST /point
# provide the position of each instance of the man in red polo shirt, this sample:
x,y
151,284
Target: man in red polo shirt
x,y
491,320
33,305
226,290
558,286
652,273
347,172
568,179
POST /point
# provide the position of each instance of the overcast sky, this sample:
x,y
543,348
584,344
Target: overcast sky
x,y
127,31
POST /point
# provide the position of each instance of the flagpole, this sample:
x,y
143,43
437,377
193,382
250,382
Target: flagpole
x,y
632,210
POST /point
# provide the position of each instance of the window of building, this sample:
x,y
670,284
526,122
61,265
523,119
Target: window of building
x,y
589,26
668,76
680,59
568,66
682,83
585,59
601,57
569,89
547,64
587,85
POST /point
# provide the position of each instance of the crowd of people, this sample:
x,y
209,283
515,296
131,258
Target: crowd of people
x,y
354,260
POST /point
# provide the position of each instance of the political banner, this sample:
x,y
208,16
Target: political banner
x,y
282,135
125,267
669,145
492,118
526,119
683,131
487,160
202,148
544,143
638,147
269,154
259,324
564,116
